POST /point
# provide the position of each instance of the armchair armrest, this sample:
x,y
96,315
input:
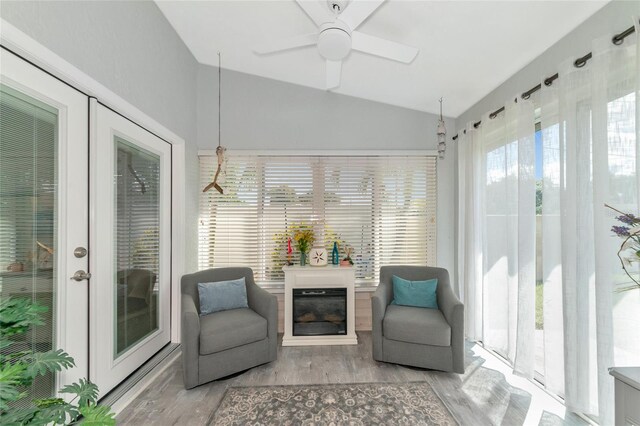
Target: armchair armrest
x,y
379,302
190,341
381,299
453,310
264,304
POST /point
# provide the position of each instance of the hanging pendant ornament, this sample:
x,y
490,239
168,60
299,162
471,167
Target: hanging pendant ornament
x,y
442,134
220,150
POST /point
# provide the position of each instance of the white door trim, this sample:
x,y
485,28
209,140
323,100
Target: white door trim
x,y
71,305
25,46
106,369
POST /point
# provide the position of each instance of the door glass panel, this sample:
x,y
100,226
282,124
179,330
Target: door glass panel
x,y
137,243
28,219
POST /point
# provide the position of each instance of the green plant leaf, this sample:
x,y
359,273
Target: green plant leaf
x,y
41,363
86,392
8,393
12,376
48,402
4,343
54,410
18,314
97,415
18,416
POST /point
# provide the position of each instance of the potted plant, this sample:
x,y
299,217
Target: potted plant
x,y
19,369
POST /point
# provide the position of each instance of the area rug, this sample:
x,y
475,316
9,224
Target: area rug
x,y
413,403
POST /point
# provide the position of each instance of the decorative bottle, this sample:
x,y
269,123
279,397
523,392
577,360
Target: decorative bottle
x,y
335,256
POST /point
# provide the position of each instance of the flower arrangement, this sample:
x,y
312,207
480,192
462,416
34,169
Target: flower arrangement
x,y
629,251
304,240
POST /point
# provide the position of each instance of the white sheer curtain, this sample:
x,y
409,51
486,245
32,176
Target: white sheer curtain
x,y
590,157
509,234
497,232
470,208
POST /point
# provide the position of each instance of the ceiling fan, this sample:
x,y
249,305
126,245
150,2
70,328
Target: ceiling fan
x,y
337,21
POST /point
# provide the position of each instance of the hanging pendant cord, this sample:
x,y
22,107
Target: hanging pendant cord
x,y
617,39
219,150
219,90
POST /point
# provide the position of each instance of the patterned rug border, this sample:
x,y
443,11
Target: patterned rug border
x,y
230,387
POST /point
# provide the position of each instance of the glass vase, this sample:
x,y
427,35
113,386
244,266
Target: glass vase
x,y
303,259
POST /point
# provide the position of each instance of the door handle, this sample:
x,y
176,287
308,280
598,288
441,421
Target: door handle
x,y
81,275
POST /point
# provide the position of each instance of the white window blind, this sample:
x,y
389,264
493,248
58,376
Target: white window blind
x,y
384,208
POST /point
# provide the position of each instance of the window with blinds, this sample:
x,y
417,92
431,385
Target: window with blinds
x,y
28,220
383,208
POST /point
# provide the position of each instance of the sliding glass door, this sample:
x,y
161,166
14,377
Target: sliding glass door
x,y
44,213
132,252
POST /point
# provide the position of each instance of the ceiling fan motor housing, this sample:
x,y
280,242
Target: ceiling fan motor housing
x,y
334,41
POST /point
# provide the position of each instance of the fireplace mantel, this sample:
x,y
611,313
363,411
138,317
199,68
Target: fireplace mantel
x,y
301,277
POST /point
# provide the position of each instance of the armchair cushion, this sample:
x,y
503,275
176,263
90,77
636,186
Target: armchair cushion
x,y
222,296
421,294
416,325
228,329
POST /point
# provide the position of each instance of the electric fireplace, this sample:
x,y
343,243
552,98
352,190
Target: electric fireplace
x,y
319,311
319,306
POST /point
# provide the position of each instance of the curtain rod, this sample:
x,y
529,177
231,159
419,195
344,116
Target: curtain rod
x,y
617,39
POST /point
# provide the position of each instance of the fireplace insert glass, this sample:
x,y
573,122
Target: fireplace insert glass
x,y
319,311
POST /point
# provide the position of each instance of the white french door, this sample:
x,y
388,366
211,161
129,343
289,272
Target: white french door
x,y
131,256
44,216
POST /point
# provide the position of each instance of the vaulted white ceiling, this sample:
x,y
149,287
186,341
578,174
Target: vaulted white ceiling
x,y
467,48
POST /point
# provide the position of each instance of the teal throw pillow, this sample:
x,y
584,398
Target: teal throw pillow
x,y
421,294
222,296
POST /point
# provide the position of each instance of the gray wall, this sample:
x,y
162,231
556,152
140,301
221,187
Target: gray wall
x,y
611,19
130,48
265,114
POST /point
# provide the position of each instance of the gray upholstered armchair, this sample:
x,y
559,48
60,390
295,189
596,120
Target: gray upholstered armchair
x,y
223,343
420,337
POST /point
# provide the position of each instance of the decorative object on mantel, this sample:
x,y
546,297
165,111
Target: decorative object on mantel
x,y
335,254
442,135
318,256
354,404
289,252
304,240
347,260
220,150
629,252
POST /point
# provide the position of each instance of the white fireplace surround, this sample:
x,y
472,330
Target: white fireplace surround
x,y
319,277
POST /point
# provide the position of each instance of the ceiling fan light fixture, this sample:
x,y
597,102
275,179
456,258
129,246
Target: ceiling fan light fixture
x,y
334,41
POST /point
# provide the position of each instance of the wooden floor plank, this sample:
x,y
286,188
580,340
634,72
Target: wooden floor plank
x,y
487,394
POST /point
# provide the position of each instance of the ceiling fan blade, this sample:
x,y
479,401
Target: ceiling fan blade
x,y
384,48
286,43
334,69
315,10
358,11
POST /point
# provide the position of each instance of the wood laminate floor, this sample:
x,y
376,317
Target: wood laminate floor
x,y
487,394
